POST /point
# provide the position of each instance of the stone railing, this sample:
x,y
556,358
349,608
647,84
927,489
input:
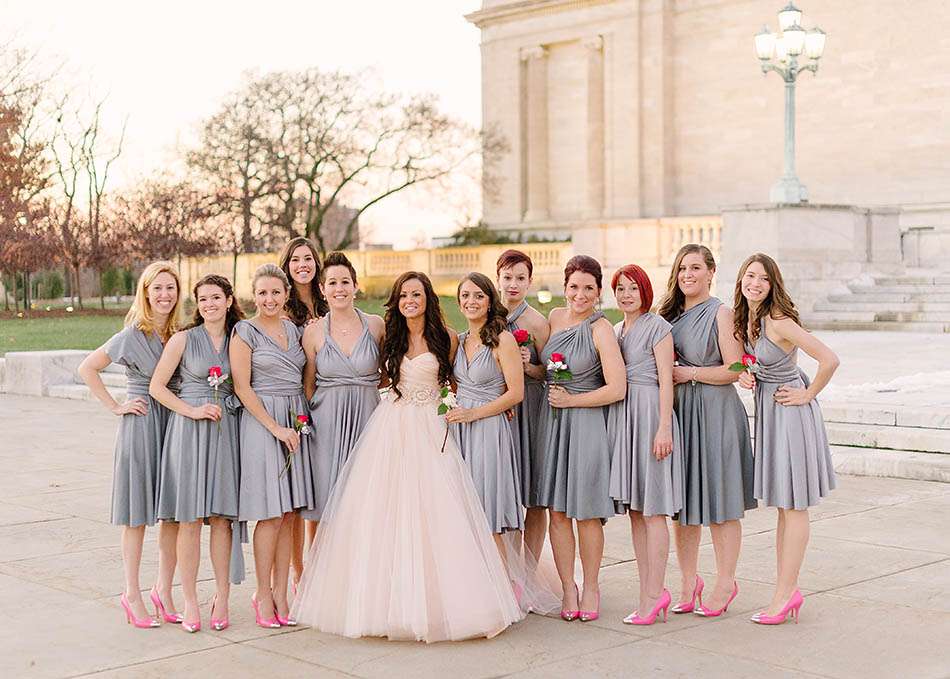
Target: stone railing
x,y
674,232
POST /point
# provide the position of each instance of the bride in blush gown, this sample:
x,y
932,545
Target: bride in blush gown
x,y
404,549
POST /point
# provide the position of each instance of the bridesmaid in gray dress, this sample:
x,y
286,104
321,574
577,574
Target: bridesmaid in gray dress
x,y
276,477
300,261
200,464
489,374
793,468
717,450
152,319
514,270
646,472
575,481
341,378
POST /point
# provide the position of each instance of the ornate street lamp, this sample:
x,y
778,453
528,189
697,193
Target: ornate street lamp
x,y
780,52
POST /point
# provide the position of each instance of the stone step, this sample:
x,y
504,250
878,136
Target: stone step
x,y
934,278
916,439
112,379
3,362
909,288
80,392
859,303
878,326
875,295
898,464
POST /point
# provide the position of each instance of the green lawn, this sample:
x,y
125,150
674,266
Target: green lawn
x,y
81,331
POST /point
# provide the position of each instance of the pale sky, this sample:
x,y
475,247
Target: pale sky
x,y
166,65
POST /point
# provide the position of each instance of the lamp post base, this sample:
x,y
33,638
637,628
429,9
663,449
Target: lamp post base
x,y
788,190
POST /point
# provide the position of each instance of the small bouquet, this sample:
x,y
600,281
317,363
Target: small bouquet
x,y
216,377
447,401
523,337
558,368
302,426
747,364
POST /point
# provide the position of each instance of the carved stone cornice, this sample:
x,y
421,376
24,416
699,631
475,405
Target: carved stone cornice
x,y
519,10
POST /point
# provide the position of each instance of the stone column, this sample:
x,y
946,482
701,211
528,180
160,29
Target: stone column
x,y
534,134
594,47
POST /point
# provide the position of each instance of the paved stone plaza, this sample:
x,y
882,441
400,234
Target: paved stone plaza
x,y
876,579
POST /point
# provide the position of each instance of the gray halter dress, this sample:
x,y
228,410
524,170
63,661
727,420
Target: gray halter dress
x,y
201,466
487,445
717,448
793,468
524,425
267,491
140,438
347,394
638,481
575,478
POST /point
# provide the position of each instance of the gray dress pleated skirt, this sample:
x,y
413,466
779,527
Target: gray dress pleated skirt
x,y
575,478
140,438
638,481
267,490
793,467
487,445
524,425
200,473
347,394
714,427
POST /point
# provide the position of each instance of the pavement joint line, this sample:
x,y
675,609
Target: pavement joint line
x,y
876,544
629,640
833,590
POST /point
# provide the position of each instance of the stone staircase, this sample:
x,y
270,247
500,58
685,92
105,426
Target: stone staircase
x,y
113,377
917,301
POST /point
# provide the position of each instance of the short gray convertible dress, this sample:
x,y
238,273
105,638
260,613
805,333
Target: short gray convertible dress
x,y
267,491
524,425
717,449
487,444
638,481
200,462
347,394
139,440
576,473
793,468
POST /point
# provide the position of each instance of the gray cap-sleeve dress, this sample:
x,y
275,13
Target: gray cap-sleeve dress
x,y
793,468
347,394
576,475
524,425
139,440
717,448
277,378
638,481
487,445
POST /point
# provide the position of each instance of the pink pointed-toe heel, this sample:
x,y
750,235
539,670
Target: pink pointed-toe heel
x,y
590,616
284,622
191,627
709,613
569,616
141,623
269,623
690,606
218,624
792,607
160,611
662,604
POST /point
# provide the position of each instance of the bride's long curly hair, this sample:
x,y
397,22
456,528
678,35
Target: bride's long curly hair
x,y
777,304
396,340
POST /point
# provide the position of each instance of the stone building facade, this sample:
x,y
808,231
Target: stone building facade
x,y
619,110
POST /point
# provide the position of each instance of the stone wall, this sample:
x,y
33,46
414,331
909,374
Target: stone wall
x,y
622,109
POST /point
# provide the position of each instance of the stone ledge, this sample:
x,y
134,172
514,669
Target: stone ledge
x,y
32,373
897,464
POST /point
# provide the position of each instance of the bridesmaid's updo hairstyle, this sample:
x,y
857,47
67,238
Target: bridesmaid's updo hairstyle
x,y
674,300
396,338
235,313
141,315
584,264
337,259
777,304
296,309
496,321
270,271
636,274
510,258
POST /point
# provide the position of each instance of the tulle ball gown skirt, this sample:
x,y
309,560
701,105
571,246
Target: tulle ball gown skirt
x,y
404,550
